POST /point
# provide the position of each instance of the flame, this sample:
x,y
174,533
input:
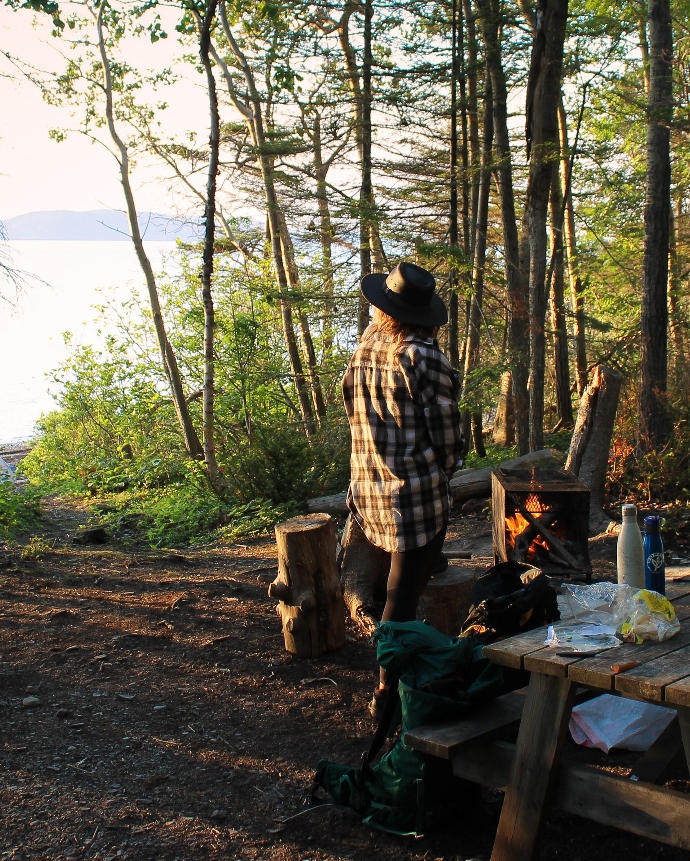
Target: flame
x,y
516,523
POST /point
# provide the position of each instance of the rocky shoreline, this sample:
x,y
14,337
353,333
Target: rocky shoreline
x,y
12,452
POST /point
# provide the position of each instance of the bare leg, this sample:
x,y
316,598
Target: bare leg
x,y
408,576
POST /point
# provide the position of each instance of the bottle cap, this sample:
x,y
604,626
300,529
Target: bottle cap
x,y
652,524
629,510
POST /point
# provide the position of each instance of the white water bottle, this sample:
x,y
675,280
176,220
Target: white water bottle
x,y
630,552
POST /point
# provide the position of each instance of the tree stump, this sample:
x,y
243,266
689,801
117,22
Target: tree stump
x,y
588,456
504,423
363,573
307,586
447,598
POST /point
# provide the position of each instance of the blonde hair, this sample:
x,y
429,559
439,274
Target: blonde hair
x,y
387,325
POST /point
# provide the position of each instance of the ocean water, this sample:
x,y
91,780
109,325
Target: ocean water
x,y
63,281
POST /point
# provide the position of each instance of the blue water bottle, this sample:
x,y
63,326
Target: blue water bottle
x,y
654,566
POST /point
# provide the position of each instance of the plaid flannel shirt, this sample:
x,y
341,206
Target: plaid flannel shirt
x,y
401,399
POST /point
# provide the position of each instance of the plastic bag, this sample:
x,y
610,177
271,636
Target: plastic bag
x,y
652,617
598,603
635,614
582,638
607,721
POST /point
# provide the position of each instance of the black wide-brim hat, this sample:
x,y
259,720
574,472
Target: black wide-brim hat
x,y
407,294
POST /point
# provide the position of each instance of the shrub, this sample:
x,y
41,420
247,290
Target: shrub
x,y
19,509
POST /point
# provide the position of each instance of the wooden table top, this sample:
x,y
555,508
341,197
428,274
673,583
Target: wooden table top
x,y
662,676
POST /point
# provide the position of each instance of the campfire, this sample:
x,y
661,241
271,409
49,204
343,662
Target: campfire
x,y
541,517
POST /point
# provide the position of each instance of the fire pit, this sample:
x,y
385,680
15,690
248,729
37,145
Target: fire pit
x,y
541,517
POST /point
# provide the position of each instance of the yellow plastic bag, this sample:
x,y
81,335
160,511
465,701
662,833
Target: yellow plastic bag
x,y
651,617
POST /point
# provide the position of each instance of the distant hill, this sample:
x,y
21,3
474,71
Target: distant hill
x,y
99,225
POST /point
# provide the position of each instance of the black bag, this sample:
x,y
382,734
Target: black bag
x,y
509,599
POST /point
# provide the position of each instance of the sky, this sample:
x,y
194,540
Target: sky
x,y
37,174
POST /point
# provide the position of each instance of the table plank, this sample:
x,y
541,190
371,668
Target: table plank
x,y
678,694
649,680
511,651
596,671
549,662
497,717
642,808
638,807
676,589
542,731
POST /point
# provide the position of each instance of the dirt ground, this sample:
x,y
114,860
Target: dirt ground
x,y
149,711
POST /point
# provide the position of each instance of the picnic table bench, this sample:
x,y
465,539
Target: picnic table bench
x,y
531,771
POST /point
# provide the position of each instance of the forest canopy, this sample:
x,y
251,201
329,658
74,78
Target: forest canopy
x,y
532,157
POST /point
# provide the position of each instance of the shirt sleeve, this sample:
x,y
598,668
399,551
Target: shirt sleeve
x,y
435,388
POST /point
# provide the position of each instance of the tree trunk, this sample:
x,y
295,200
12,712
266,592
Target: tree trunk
x,y
363,573
366,216
370,245
473,115
191,438
208,411
325,238
543,94
676,323
518,338
464,145
308,351
453,330
307,586
477,433
479,256
478,263
571,254
564,405
588,456
644,47
252,113
654,422
504,423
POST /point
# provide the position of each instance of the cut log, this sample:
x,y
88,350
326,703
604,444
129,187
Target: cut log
x,y
307,586
476,483
334,505
466,484
588,456
447,598
504,423
363,574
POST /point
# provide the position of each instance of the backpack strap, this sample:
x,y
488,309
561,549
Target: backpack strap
x,y
390,704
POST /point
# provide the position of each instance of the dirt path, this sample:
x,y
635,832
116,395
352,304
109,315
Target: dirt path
x,y
149,711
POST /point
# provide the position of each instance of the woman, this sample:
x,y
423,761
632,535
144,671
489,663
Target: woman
x,y
401,398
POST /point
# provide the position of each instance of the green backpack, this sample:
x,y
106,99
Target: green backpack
x,y
439,679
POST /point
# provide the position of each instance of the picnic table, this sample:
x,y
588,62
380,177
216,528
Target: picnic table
x,y
532,772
